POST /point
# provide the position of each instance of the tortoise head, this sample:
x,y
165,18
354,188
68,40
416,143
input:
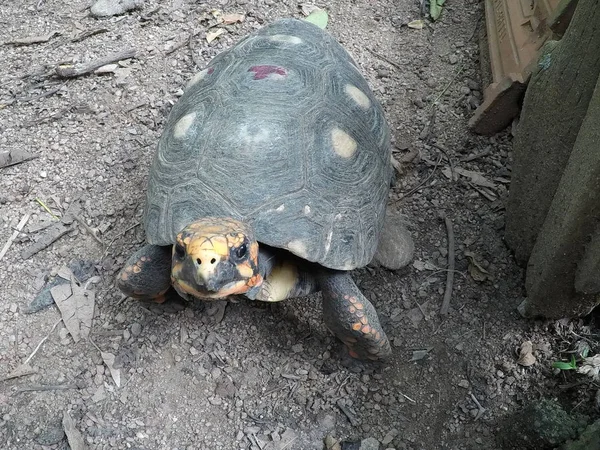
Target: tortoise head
x,y
214,258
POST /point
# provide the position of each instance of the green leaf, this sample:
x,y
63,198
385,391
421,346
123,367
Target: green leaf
x,y
319,18
435,9
585,352
562,365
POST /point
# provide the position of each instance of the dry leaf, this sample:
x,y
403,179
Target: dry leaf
x,y
423,265
475,178
109,360
420,354
74,437
33,39
416,24
212,35
109,68
228,19
477,272
526,357
591,367
76,305
307,8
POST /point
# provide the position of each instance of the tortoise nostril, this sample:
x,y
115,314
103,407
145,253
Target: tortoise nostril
x,y
198,261
212,261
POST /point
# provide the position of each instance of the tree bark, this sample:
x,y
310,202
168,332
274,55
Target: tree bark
x,y
554,107
561,281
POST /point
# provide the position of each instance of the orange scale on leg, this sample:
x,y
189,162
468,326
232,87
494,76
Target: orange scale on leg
x,y
366,329
352,309
364,320
357,326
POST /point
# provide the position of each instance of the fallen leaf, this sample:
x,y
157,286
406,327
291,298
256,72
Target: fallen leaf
x,y
33,39
74,437
109,360
76,305
229,19
108,68
591,367
416,24
477,272
212,35
420,354
435,8
318,17
423,265
476,178
526,357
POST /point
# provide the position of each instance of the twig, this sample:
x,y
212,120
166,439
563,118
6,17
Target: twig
x,y
47,387
408,398
15,234
179,45
89,33
89,230
351,417
71,72
41,342
118,236
450,273
416,188
386,59
7,160
460,69
478,155
42,95
443,149
481,408
43,205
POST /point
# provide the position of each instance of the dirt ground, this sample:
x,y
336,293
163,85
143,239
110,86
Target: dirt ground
x,y
250,377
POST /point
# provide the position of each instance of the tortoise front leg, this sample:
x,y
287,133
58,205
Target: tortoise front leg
x,y
351,317
147,273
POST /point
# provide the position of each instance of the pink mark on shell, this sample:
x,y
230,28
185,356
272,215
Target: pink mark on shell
x,y
262,72
210,70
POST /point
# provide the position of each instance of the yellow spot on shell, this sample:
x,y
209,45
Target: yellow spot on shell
x,y
183,125
286,38
343,144
196,78
358,96
297,247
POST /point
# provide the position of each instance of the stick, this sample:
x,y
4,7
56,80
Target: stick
x,y
386,59
14,235
6,160
41,342
420,185
450,274
481,408
72,72
89,230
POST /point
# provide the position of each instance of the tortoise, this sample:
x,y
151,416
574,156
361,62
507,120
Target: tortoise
x,y
270,180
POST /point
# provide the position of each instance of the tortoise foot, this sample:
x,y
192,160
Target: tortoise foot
x,y
352,318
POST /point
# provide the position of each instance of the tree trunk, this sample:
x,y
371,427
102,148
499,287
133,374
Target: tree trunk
x,y
555,104
561,278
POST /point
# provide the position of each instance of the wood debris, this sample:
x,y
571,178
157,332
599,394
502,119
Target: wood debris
x,y
451,262
48,237
70,71
15,234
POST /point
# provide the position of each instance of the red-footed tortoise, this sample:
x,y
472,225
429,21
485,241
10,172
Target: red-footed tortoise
x,y
271,180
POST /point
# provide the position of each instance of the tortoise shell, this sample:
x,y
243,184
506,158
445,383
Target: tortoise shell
x,y
283,132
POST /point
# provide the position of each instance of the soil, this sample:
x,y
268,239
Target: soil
x,y
270,377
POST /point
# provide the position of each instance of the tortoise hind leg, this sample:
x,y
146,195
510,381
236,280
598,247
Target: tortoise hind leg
x,y
351,317
147,273
396,247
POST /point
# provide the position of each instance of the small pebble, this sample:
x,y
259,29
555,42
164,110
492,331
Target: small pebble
x,y
452,59
136,329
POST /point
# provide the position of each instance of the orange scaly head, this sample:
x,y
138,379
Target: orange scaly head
x,y
214,258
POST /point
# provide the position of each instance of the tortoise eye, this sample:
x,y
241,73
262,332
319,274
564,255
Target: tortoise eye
x,y
241,251
179,250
